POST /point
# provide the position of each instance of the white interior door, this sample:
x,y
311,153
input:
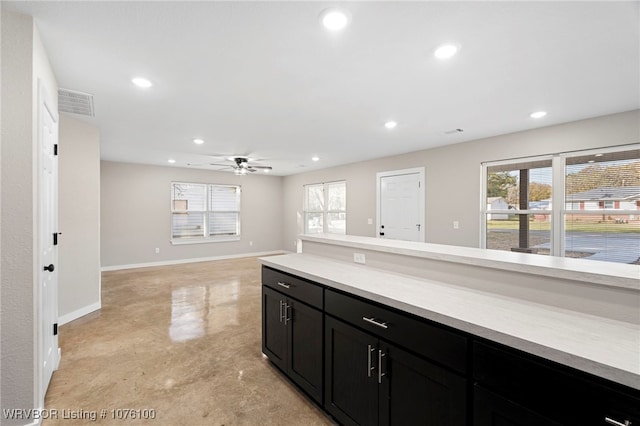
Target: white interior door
x,y
48,224
401,205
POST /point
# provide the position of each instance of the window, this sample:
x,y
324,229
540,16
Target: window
x,y
325,208
580,204
518,208
204,212
607,186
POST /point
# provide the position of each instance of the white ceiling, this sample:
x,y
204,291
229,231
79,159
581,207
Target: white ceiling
x,y
265,79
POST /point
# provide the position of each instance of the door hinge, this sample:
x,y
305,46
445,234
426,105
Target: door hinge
x,y
55,149
55,238
55,329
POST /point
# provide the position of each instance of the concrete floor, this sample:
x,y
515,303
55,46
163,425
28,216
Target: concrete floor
x,y
182,342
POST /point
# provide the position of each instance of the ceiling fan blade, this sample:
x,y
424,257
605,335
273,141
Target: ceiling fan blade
x,y
261,167
221,164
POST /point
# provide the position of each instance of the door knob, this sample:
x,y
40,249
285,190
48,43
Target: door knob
x,y
50,268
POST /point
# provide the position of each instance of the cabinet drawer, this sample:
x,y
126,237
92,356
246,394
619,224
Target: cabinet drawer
x,y
296,287
558,392
428,340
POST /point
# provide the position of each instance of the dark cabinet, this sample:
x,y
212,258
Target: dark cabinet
x,y
370,364
274,332
292,339
516,388
351,379
490,409
372,382
304,350
418,392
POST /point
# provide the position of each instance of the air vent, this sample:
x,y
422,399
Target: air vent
x,y
453,131
75,102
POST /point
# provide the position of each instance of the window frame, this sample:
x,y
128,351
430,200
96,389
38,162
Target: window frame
x,y
325,208
205,238
558,198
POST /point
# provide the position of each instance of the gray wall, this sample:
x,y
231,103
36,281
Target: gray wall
x,y
453,176
136,218
23,63
79,213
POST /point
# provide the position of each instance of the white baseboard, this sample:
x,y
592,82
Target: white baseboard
x,y
191,260
79,313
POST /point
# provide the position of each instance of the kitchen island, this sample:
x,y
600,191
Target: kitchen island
x,y
469,315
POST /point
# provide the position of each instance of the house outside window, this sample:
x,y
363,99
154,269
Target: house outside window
x,y
203,212
325,208
597,194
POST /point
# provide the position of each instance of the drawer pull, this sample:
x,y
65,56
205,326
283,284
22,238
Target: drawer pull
x,y
283,285
617,423
374,322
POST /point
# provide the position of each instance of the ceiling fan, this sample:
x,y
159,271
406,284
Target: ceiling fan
x,y
242,165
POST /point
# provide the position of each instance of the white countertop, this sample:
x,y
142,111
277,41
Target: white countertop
x,y
592,271
600,346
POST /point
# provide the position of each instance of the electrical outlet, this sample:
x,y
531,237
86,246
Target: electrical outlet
x,y
157,250
359,258
369,221
456,224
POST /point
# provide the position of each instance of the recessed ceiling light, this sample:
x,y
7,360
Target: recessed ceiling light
x,y
390,124
538,114
171,160
591,161
335,19
598,155
142,82
446,51
198,141
315,158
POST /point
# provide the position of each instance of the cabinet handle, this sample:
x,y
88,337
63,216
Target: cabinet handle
x,y
374,322
616,423
369,367
283,285
281,313
380,373
287,318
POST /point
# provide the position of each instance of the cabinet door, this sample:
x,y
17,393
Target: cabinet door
x,y
304,325
414,391
274,332
351,381
493,410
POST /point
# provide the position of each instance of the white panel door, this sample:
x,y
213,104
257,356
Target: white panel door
x,y
48,224
401,216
